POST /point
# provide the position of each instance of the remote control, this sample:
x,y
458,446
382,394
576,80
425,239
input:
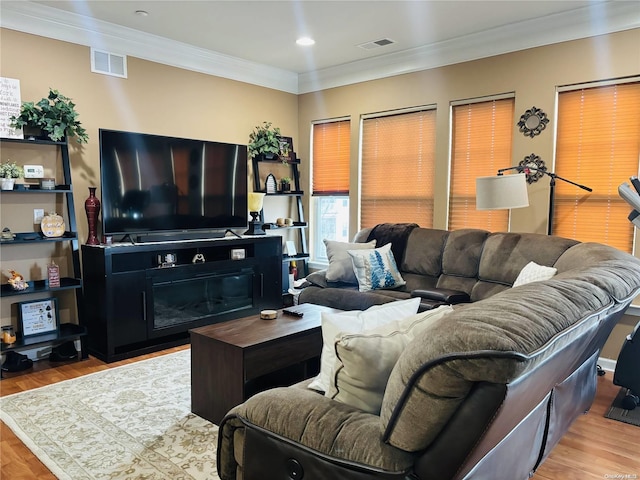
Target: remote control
x,y
293,313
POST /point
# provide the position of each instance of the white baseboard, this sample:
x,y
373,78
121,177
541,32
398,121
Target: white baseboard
x,y
607,364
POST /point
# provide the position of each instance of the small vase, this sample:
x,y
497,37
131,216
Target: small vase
x,y
92,207
7,183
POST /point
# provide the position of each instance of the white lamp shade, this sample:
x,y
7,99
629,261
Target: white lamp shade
x,y
501,192
255,201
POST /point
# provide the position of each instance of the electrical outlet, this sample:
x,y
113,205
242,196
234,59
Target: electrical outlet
x,y
38,213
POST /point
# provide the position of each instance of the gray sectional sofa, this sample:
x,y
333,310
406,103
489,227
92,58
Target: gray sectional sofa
x,y
484,392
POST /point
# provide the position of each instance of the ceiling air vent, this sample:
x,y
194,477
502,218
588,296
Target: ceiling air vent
x,y
108,63
376,44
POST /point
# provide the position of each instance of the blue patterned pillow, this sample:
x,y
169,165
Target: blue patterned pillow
x,y
376,268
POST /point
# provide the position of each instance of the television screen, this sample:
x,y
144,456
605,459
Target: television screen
x,y
152,183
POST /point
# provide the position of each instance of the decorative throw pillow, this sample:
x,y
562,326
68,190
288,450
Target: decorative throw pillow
x,y
376,268
532,272
355,321
364,360
340,267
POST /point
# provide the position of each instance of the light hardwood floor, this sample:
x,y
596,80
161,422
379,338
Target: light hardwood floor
x,y
595,448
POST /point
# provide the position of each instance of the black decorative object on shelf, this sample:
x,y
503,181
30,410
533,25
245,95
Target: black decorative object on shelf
x,y
270,185
533,167
532,122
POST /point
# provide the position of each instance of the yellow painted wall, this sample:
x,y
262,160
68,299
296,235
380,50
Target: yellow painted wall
x,y
532,75
154,99
170,101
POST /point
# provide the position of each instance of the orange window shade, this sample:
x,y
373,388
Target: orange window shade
x,y
331,153
398,156
598,146
481,144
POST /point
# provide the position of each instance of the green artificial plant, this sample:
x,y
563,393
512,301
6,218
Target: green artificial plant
x,y
264,140
10,170
55,115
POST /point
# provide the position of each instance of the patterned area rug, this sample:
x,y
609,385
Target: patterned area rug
x,y
129,422
618,412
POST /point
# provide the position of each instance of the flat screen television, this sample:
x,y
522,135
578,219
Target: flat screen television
x,y
152,184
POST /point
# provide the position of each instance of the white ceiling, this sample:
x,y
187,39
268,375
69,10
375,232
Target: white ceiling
x,y
257,38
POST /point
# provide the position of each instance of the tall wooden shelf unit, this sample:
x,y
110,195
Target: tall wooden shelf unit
x,y
302,256
32,240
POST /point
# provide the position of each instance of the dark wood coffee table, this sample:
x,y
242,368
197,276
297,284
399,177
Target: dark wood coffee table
x,y
233,360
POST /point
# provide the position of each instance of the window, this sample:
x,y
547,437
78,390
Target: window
x,y
330,184
598,145
397,171
481,144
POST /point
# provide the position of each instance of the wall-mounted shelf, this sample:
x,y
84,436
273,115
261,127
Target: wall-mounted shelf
x,y
35,237
39,286
273,226
24,188
66,332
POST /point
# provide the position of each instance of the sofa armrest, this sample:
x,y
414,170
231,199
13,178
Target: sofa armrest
x,y
442,295
308,420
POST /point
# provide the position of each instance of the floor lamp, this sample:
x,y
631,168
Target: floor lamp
x,y
509,192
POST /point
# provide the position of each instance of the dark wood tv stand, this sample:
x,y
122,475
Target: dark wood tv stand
x,y
135,302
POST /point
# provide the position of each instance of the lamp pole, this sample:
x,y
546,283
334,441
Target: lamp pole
x,y
552,187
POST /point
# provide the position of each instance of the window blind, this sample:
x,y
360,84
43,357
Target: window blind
x,y
598,146
397,172
481,144
331,153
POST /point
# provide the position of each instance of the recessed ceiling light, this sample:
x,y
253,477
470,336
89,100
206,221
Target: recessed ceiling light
x,y
305,41
142,13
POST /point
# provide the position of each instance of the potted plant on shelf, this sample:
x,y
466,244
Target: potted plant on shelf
x,y
9,171
285,184
54,115
265,141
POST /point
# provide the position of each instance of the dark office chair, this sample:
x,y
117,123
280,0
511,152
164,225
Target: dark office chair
x,y
627,374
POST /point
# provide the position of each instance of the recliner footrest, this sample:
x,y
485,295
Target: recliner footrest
x,y
445,295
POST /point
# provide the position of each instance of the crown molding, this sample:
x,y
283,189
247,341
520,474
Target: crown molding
x,y
586,22
597,19
74,28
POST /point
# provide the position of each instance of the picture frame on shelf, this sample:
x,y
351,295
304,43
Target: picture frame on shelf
x,y
286,149
38,317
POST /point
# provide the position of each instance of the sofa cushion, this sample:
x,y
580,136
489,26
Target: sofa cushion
x,y
364,360
376,268
397,234
423,255
532,272
351,322
494,341
340,267
505,254
317,423
461,254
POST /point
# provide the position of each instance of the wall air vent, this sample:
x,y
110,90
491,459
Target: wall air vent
x,y
376,44
108,63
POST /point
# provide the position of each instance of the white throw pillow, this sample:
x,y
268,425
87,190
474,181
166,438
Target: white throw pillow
x,y
532,272
351,322
340,267
364,360
376,268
